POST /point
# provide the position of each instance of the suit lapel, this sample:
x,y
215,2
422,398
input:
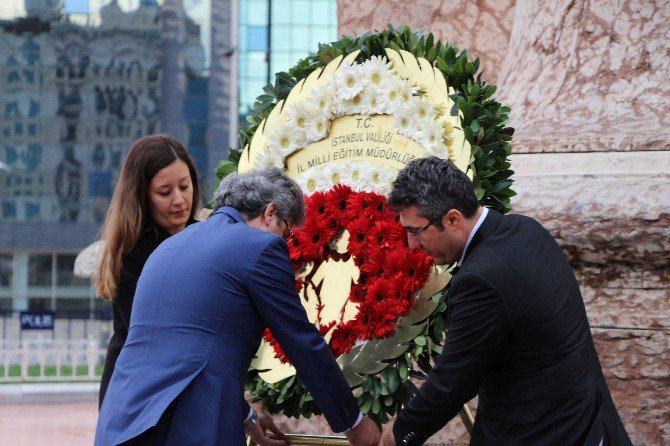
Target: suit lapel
x,y
487,227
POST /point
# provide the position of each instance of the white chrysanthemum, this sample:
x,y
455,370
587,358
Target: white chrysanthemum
x,y
316,129
300,113
375,177
415,126
449,144
405,123
351,173
370,103
432,137
351,106
448,128
389,93
333,175
308,181
348,81
376,71
372,178
268,158
422,109
286,138
322,100
405,96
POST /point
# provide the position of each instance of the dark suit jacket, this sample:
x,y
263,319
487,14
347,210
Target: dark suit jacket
x,y
131,267
202,302
518,336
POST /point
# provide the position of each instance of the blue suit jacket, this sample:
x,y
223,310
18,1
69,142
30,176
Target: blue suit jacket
x,y
202,302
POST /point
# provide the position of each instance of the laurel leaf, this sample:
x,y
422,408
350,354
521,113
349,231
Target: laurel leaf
x,y
310,82
294,95
373,356
329,69
350,59
245,160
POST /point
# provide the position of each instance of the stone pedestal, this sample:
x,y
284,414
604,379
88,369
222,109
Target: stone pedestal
x,y
482,27
587,81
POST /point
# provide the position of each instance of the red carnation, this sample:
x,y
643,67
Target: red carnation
x,y
344,338
374,265
279,353
412,265
385,235
315,205
325,328
369,205
358,236
310,241
390,273
358,292
337,203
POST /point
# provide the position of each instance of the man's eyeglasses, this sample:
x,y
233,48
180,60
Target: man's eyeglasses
x,y
416,232
288,233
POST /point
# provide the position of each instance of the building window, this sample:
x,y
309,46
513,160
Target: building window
x,y
296,26
65,272
39,270
6,271
257,38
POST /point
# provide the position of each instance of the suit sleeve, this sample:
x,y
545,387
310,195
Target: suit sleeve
x,y
477,326
271,287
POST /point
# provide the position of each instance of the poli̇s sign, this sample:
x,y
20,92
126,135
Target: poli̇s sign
x,y
37,320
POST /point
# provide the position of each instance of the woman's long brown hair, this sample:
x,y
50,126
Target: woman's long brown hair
x,y
129,210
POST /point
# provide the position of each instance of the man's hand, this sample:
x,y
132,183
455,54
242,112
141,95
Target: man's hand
x,y
387,435
259,434
365,434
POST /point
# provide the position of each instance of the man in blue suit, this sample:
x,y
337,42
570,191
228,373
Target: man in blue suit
x,y
203,300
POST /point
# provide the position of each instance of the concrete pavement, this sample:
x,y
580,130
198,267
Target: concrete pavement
x,y
57,414
53,424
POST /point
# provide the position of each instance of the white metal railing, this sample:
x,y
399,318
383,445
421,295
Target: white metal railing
x,y
39,360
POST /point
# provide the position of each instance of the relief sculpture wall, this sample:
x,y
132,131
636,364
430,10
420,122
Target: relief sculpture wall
x,y
73,100
587,81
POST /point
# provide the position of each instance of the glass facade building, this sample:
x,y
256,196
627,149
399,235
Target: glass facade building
x,y
275,35
79,81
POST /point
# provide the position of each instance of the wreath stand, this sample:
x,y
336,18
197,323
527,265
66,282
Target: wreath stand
x,y
318,440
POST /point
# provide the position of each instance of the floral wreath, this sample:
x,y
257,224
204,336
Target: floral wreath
x,y
379,354
391,274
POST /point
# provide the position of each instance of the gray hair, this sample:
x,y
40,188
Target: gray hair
x,y
251,192
435,186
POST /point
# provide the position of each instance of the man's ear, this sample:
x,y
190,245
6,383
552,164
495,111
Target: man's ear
x,y
270,210
452,219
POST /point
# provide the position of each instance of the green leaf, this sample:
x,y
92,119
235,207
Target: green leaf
x,y
367,404
393,382
479,193
403,373
376,407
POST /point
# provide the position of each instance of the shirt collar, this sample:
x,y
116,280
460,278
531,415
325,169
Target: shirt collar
x,y
231,212
480,220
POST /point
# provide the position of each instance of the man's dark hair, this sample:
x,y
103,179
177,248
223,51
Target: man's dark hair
x,y
435,186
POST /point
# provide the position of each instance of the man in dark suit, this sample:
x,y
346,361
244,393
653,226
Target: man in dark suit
x,y
203,300
517,336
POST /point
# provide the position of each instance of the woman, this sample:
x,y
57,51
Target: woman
x,y
156,196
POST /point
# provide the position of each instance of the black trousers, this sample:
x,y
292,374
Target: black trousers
x,y
156,435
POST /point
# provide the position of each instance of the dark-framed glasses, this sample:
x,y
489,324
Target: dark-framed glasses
x,y
288,233
416,232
